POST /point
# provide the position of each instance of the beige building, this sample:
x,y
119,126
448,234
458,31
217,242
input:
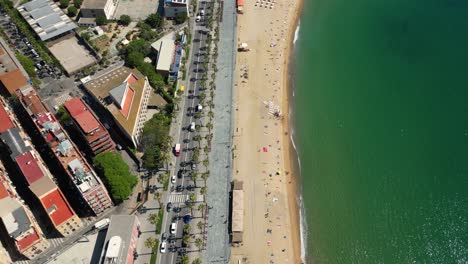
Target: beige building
x,y
125,93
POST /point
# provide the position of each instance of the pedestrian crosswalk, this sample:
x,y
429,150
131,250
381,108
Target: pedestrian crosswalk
x,y
54,242
178,198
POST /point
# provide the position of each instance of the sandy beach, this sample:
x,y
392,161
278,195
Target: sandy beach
x,y
262,156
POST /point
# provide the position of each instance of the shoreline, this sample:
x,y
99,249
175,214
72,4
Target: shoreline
x,y
272,224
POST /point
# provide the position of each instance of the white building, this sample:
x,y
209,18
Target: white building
x,y
93,8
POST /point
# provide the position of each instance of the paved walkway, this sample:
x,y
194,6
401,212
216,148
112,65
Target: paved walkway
x,y
218,248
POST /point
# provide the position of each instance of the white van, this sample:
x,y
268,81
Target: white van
x,y
173,228
192,126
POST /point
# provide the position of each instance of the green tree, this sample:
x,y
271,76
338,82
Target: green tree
x,y
125,20
205,176
199,243
209,126
181,17
200,225
85,35
184,259
64,3
116,175
153,219
135,59
155,141
198,138
27,64
197,261
77,3
186,239
203,190
201,207
63,115
154,20
206,162
151,242
72,11
101,20
187,229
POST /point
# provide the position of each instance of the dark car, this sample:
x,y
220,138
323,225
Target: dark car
x,y
169,207
187,218
164,237
190,187
180,173
177,209
180,188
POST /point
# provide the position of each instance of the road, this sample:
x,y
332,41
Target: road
x,y
185,138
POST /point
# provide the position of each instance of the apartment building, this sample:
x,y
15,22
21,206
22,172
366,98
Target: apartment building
x,y
24,234
36,174
94,133
125,93
81,174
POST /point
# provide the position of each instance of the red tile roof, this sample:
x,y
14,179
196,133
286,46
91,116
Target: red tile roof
x,y
5,121
131,79
58,209
128,102
29,167
75,106
27,241
33,102
3,191
87,122
13,80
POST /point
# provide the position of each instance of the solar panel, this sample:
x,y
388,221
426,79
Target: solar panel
x,y
48,21
35,5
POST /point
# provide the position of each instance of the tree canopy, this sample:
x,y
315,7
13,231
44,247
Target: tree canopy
x,y
77,3
64,3
154,20
101,20
72,11
155,141
27,64
181,17
116,175
125,20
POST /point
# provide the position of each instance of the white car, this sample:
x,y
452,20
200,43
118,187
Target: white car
x,y
173,179
198,19
192,126
199,107
163,247
173,228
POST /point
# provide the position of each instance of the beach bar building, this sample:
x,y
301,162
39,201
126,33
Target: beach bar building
x,y
237,221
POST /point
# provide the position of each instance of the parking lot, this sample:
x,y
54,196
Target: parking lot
x,y
21,44
136,9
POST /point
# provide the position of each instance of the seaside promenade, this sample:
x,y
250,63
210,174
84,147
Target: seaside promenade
x,y
217,244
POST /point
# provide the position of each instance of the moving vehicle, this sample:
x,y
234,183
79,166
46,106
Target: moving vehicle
x,y
173,228
187,218
99,225
202,12
192,126
163,247
173,179
177,150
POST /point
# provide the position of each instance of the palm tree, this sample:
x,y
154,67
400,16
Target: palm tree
x,y
186,239
158,197
194,177
192,198
205,176
203,190
211,114
190,206
153,218
206,149
201,207
206,162
197,261
198,138
187,229
209,126
199,243
151,242
184,259
200,225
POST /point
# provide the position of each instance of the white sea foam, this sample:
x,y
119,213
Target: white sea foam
x,y
296,33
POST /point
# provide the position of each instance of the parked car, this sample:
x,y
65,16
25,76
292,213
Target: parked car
x,y
169,207
173,228
173,179
163,247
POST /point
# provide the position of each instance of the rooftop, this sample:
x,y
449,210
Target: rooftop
x,y
166,49
80,112
119,235
29,167
5,122
56,206
10,75
46,18
94,4
14,217
14,141
127,113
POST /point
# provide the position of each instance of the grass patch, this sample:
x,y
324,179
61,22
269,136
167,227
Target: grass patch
x,y
160,221
155,253
101,42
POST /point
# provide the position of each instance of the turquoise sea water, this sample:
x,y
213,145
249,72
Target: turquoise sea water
x,y
381,109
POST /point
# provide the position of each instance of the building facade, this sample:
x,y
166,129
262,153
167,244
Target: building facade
x,y
93,132
174,7
94,8
23,231
81,174
125,93
121,240
36,174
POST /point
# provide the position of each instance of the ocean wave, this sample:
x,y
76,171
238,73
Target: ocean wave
x,y
296,33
